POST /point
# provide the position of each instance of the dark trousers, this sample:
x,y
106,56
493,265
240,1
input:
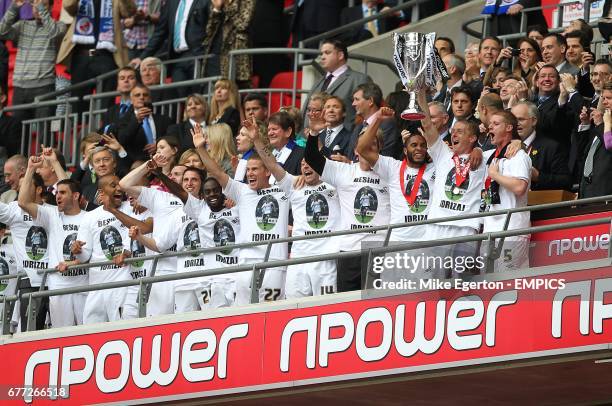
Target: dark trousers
x,y
26,95
349,273
84,67
41,303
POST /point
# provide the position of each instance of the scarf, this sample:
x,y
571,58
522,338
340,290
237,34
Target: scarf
x,y
85,20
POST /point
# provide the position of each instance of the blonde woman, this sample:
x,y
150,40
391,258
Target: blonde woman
x,y
245,149
191,158
220,146
225,105
196,111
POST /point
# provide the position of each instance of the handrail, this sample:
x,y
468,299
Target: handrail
x,y
486,17
411,245
34,105
360,23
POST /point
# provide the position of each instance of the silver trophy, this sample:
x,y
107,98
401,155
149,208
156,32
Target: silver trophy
x,y
419,67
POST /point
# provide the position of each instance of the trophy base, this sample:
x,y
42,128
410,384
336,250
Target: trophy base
x,y
412,115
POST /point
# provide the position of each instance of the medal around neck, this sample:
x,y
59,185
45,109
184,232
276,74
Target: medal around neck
x,y
419,67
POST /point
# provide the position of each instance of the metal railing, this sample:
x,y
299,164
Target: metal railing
x,y
257,269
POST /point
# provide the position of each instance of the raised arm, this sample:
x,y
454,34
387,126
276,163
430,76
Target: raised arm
x,y
314,158
51,159
367,138
130,183
252,130
173,187
429,131
27,188
211,165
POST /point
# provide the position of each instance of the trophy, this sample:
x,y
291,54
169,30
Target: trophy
x,y
419,67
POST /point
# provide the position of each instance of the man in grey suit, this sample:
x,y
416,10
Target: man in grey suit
x,y
554,47
340,80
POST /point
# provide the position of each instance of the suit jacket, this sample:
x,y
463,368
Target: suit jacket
x,y
342,140
315,17
475,87
121,9
132,136
393,142
182,132
598,184
507,24
558,122
195,29
293,164
342,87
231,117
111,117
358,34
550,160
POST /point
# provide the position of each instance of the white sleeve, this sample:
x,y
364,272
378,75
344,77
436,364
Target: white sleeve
x,y
233,189
519,167
384,168
439,151
147,198
8,214
337,173
166,237
193,207
85,234
286,184
45,216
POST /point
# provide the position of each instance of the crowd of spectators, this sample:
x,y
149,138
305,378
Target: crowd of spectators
x,y
533,116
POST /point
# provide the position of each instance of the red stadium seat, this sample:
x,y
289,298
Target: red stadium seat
x,y
284,80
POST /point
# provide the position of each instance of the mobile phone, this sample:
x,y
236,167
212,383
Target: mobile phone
x,y
493,90
149,105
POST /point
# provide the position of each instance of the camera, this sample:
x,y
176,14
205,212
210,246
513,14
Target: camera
x,y
515,52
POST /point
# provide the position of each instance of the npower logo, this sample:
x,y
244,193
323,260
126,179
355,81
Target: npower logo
x,y
579,244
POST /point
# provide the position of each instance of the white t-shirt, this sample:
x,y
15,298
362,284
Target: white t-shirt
x,y
316,210
257,225
519,166
104,236
364,201
216,229
8,266
29,241
161,205
389,170
140,269
63,231
452,200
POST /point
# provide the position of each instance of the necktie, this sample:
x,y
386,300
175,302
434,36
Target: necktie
x,y
177,24
123,107
146,126
372,24
542,99
326,82
328,137
588,164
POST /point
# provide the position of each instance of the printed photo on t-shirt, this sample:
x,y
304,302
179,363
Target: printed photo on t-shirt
x,y
191,238
422,198
365,205
223,234
111,242
36,243
67,247
451,190
266,213
317,211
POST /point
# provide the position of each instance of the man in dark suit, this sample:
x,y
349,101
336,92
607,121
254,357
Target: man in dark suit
x,y
367,100
455,67
340,80
549,161
314,17
281,132
462,105
557,113
139,128
184,41
371,29
126,80
334,138
554,47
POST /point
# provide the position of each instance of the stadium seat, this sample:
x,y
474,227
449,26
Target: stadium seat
x,y
284,80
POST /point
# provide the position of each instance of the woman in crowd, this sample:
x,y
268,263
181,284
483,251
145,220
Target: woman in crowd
x,y
296,116
220,146
168,147
225,106
537,33
530,55
191,158
196,111
244,145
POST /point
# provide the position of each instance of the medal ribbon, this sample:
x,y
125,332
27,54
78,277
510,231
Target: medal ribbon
x,y
460,173
498,152
417,182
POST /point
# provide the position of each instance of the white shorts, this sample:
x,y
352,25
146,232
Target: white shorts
x,y
315,278
104,305
514,254
161,299
272,288
210,294
67,310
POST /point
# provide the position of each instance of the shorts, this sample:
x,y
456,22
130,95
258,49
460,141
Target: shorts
x,y
104,305
67,310
272,287
211,294
313,279
513,255
161,299
441,261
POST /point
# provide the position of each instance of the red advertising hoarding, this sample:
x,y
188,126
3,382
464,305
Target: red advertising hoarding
x,y
291,345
